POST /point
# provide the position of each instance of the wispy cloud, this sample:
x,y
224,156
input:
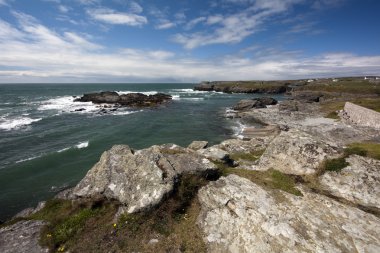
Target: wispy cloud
x,y
323,4
31,52
3,2
235,27
113,17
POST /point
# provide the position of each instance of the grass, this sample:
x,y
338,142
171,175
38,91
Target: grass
x,y
91,226
329,108
368,149
336,164
252,156
272,179
344,86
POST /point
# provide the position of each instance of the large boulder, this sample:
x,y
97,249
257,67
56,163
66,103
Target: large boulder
x,y
22,237
240,216
141,179
359,182
296,152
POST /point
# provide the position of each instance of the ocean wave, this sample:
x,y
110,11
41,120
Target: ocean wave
x,y
28,159
82,145
194,99
123,92
67,104
16,122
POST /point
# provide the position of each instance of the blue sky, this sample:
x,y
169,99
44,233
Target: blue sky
x,y
187,41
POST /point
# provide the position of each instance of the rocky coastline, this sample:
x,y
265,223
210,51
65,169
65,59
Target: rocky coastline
x,y
311,183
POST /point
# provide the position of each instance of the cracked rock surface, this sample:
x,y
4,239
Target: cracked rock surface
x,y
240,216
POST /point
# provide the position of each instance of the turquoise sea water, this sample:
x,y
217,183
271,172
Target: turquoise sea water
x,y
45,145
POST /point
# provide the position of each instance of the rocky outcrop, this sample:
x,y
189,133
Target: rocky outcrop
x,y
245,146
240,216
243,87
141,179
361,116
130,99
215,154
29,211
358,183
22,237
196,145
296,152
247,104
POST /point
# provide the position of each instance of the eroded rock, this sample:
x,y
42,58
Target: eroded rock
x,y
141,179
359,182
196,145
247,104
240,216
296,152
22,237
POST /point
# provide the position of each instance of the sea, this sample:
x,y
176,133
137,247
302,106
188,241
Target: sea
x,y
48,141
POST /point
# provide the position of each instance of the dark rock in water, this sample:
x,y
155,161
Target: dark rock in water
x,y
204,86
131,99
80,109
247,104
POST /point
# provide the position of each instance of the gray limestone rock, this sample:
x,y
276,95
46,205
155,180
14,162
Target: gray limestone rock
x,y
296,152
196,145
22,237
240,216
141,179
215,154
359,182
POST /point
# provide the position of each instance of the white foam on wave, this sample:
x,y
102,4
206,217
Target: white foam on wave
x,y
67,104
16,122
120,113
194,99
82,145
238,129
28,159
176,97
123,92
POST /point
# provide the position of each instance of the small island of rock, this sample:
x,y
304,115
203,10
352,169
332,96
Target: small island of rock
x,y
131,99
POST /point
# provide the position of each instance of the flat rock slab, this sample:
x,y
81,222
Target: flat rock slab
x,y
245,146
296,152
196,145
139,180
359,182
240,216
22,237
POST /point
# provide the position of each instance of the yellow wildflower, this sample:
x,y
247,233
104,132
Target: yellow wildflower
x,y
114,225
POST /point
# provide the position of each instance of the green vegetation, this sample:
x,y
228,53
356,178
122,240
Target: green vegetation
x,y
91,227
332,115
353,86
250,84
369,149
272,179
332,106
336,164
252,156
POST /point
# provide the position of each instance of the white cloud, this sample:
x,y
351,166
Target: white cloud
x,y
235,27
192,23
117,18
63,8
31,52
3,2
323,4
135,7
165,24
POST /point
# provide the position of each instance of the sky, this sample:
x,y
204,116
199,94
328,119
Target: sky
x,y
187,41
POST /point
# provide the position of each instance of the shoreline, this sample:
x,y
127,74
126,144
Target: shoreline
x,y
297,129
